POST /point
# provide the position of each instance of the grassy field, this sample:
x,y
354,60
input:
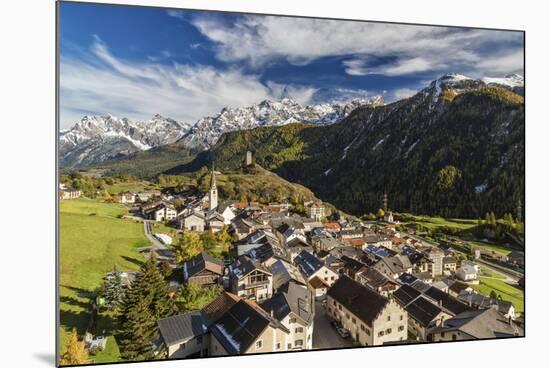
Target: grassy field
x,y
92,240
433,223
489,273
506,291
130,186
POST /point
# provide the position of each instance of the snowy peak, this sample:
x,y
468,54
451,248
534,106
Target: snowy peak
x,y
458,83
511,80
206,131
101,137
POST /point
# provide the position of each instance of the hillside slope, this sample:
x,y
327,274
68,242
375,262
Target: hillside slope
x,y
454,149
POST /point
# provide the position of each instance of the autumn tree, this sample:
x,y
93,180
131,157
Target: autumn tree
x,y
194,297
75,351
188,246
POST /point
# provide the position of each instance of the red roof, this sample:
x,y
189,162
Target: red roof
x,y
332,225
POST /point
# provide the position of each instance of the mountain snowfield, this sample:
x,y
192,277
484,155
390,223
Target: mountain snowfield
x,y
99,138
206,132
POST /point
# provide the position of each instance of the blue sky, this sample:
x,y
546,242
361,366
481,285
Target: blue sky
x,y
136,61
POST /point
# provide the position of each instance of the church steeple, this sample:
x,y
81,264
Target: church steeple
x,y
213,192
213,179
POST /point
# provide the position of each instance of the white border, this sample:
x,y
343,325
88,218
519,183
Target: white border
x,y
27,144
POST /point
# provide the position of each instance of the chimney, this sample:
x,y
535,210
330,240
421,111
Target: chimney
x,y
271,313
440,303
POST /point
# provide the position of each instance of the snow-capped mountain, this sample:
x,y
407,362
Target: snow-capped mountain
x,y
206,132
99,138
512,81
458,83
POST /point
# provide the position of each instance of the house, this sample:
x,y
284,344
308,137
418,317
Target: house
x,y
203,270
248,279
457,287
145,196
468,263
127,198
255,240
423,314
241,227
393,266
246,328
161,212
476,324
371,318
449,264
318,287
311,266
352,267
376,281
193,221
268,254
294,306
184,336
435,255
284,272
466,273
68,193
227,211
215,221
443,300
479,301
316,211
346,234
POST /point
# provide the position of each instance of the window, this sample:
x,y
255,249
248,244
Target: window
x,y
292,320
388,331
182,346
289,346
340,307
443,334
258,344
401,328
454,337
329,310
278,346
353,320
347,315
334,302
381,333
299,330
199,340
363,328
401,317
308,337
332,278
389,318
326,278
298,342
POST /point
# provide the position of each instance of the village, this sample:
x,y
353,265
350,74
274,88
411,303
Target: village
x,y
300,282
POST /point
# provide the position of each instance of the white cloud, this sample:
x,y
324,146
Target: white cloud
x,y
402,93
261,40
503,64
103,83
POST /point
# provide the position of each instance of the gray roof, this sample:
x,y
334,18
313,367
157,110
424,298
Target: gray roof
x,y
284,272
182,327
481,324
243,265
293,298
308,263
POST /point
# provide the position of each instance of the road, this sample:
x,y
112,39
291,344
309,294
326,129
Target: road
x,y
324,335
148,229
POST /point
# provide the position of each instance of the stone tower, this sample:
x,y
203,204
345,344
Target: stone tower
x,y
385,202
213,192
248,159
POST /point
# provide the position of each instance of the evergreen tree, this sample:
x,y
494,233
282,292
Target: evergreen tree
x,y
114,291
75,351
145,303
